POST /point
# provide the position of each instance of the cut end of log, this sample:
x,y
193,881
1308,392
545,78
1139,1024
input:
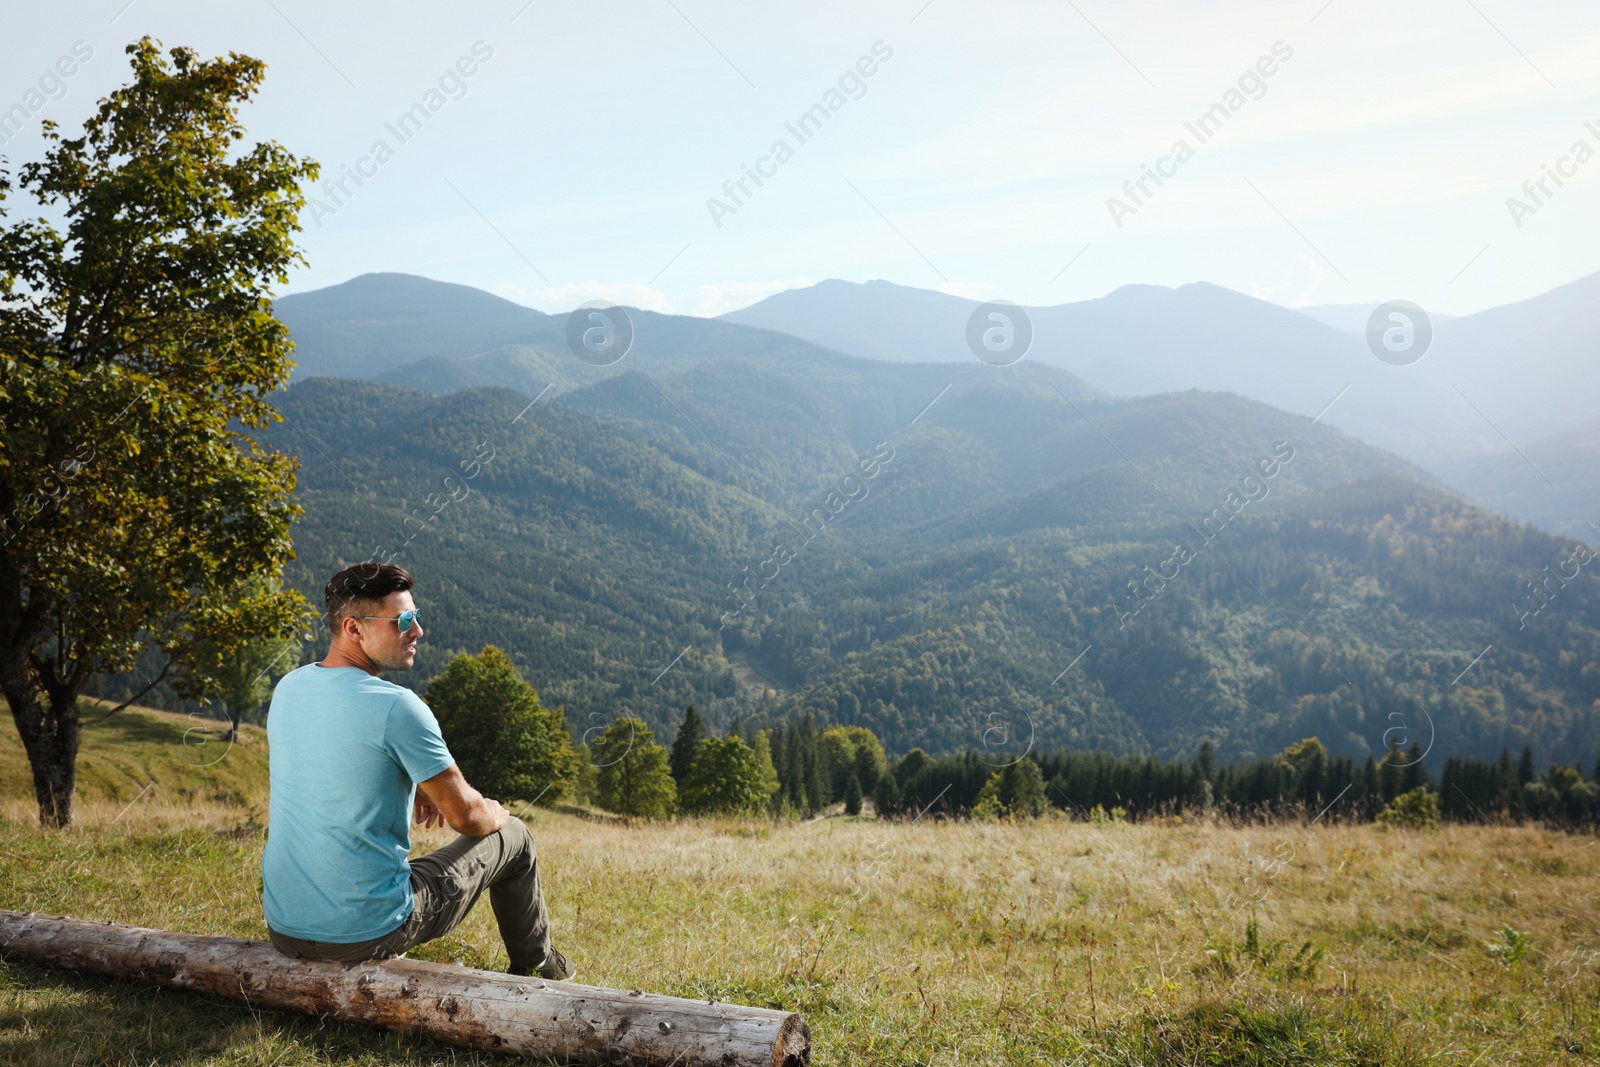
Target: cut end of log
x,y
793,1047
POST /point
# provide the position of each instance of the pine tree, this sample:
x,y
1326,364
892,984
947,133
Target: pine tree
x,y
691,732
1449,790
886,798
819,793
1371,787
1389,773
794,771
1504,781
1416,774
852,795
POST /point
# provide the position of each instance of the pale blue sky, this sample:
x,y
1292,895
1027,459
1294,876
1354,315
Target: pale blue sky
x,y
1376,163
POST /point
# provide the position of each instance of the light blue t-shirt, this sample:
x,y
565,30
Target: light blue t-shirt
x,y
345,750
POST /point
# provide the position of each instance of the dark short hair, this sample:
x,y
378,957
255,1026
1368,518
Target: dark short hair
x,y
367,582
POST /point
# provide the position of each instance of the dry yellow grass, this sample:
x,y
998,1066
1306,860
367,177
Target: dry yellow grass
x,y
1044,942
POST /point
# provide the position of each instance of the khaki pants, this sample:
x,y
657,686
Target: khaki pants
x,y
445,884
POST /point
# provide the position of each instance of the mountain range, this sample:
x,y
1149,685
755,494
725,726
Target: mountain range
x,y
1496,406
952,553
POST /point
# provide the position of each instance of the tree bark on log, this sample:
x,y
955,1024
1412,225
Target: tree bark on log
x,y
454,1005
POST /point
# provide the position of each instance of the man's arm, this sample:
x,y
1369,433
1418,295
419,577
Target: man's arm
x,y
467,811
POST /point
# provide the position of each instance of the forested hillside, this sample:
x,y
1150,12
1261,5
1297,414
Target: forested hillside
x,y
954,555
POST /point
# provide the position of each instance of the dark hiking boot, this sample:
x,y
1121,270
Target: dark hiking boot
x,y
555,967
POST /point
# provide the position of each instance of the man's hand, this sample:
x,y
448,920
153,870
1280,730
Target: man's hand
x,y
427,815
496,813
466,810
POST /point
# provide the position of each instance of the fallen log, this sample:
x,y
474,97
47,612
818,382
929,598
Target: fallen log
x,y
455,1005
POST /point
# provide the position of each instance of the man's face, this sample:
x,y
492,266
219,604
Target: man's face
x,y
381,641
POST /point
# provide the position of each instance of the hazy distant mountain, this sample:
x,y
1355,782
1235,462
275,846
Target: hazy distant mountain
x,y
873,320
1553,482
441,338
1138,340
375,323
1533,367
1351,318
1509,374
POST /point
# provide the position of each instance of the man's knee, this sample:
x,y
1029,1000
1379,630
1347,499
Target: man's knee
x,y
520,851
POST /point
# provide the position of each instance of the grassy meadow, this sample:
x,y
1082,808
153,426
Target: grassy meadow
x,y
1050,942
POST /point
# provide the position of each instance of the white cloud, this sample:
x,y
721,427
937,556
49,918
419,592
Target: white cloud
x,y
1294,289
719,298
970,290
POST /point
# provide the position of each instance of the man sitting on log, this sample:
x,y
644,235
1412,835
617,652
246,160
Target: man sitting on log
x,y
348,752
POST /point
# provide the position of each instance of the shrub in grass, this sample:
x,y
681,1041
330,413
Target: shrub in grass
x,y
1416,810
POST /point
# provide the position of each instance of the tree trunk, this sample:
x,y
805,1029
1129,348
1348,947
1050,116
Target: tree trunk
x,y
50,734
455,1005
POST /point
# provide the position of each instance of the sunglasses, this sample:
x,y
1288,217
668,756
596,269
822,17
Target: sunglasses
x,y
405,618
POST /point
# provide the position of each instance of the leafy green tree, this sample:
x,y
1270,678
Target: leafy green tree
x,y
1015,789
726,777
634,777
1307,759
870,762
839,756
247,673
588,783
507,744
769,771
1022,788
1303,755
910,765
988,804
852,749
686,745
136,351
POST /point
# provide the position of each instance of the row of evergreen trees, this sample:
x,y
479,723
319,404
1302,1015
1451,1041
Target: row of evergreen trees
x,y
1302,781
511,746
